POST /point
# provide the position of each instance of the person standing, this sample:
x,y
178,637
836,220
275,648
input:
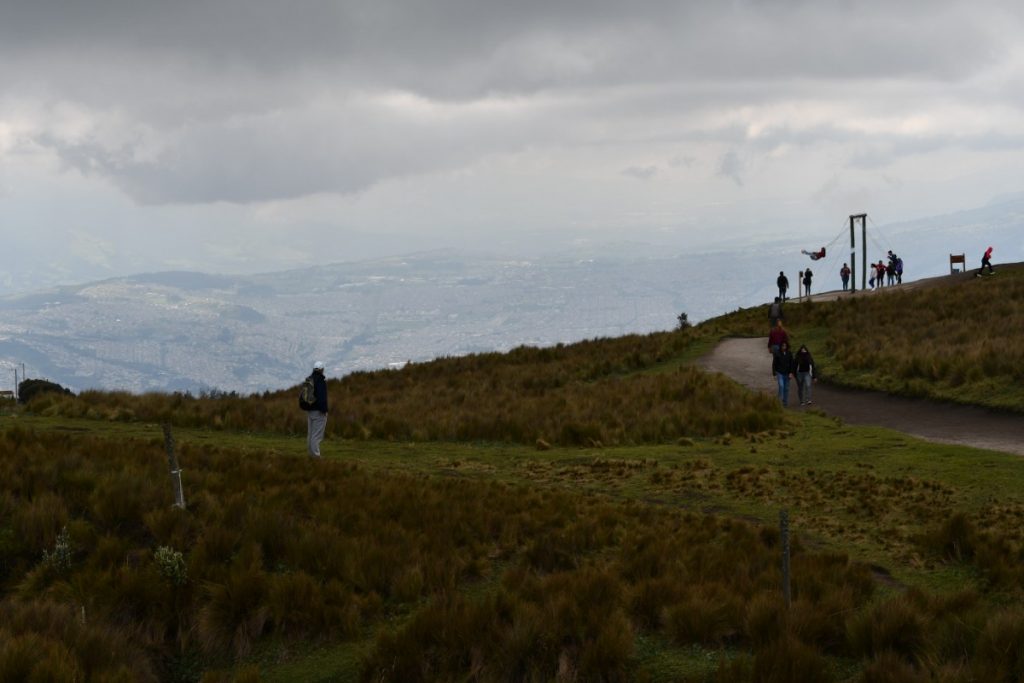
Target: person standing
x,y
800,285
879,269
774,313
783,282
899,270
805,374
986,260
316,416
782,369
807,282
844,273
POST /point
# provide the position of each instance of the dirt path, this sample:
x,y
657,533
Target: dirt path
x,y
747,361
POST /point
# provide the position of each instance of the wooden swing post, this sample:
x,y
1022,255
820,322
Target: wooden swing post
x,y
863,218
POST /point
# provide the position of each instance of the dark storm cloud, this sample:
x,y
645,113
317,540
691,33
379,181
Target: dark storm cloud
x,y
249,100
468,47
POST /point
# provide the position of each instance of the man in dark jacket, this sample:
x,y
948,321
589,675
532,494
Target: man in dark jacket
x,y
783,282
783,366
316,417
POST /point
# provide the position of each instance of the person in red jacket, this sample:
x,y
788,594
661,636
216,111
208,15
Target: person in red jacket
x,y
986,260
777,337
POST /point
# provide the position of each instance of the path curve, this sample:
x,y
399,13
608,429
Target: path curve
x,y
747,361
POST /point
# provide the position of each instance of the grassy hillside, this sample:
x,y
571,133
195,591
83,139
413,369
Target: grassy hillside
x,y
957,340
439,544
413,562
600,391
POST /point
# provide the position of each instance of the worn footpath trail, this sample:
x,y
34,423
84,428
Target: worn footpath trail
x,y
748,362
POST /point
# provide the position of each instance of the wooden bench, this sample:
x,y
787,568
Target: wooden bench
x,y
957,258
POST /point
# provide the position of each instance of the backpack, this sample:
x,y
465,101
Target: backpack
x,y
307,394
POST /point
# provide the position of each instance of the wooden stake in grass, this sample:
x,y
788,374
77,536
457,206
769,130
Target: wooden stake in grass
x,y
172,462
784,533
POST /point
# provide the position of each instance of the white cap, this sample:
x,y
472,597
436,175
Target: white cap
x,y
319,365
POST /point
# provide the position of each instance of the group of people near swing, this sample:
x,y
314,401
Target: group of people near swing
x,y
800,366
882,274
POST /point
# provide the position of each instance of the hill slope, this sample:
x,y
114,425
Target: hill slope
x,y
423,558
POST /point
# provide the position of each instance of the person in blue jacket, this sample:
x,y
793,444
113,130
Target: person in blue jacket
x,y
316,417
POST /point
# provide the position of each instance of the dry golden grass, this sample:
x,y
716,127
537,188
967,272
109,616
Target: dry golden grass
x,y
594,392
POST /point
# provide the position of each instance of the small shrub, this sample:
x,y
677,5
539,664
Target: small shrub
x,y
171,565
60,558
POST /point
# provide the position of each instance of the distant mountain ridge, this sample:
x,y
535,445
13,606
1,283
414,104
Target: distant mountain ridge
x,y
187,331
196,331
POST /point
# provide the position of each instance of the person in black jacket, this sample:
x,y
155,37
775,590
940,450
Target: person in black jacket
x,y
783,365
783,282
806,373
316,417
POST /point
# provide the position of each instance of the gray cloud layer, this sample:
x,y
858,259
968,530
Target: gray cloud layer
x,y
249,101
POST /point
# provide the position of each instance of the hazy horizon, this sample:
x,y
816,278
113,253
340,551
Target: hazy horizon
x,y
137,137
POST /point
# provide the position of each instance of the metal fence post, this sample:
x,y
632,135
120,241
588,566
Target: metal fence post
x,y
172,463
784,533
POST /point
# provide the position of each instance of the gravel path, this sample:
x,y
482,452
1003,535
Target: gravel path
x,y
747,361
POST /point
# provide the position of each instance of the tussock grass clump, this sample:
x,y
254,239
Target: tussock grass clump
x,y
788,660
897,626
997,552
1000,647
46,641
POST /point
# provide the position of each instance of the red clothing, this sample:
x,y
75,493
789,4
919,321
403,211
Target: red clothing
x,y
988,252
777,336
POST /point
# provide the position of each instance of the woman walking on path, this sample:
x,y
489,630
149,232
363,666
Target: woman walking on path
x,y
806,373
782,369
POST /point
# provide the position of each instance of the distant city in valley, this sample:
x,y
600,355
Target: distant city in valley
x,y
183,331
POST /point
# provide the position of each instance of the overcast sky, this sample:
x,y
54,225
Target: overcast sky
x,y
248,135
